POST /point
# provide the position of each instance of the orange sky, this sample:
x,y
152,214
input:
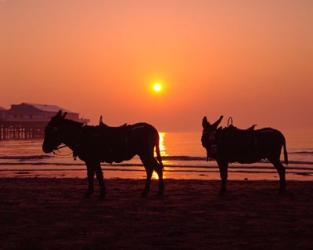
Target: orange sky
x,y
249,59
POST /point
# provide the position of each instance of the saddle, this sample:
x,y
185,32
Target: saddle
x,y
231,127
114,141
239,141
234,129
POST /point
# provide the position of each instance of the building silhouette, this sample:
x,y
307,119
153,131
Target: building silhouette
x,y
28,120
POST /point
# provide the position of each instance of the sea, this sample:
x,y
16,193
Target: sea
x,y
182,153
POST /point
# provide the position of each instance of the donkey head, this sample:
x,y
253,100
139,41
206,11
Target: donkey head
x,y
209,132
53,133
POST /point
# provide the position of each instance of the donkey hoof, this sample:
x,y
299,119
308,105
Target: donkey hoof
x,y
102,196
282,191
88,194
222,192
144,194
161,194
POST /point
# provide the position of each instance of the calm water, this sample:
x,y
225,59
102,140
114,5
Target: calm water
x,y
183,157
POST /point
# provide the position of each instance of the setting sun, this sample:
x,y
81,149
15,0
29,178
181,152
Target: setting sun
x,y
157,87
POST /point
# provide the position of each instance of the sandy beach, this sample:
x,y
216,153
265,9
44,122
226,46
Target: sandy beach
x,y
39,213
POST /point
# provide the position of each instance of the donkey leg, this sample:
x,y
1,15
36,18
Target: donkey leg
x,y
223,167
282,175
149,172
159,169
99,175
90,175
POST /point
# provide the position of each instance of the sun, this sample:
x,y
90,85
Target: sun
x,y
157,87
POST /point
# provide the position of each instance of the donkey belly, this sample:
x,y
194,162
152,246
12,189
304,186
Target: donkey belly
x,y
248,160
116,153
117,157
126,157
242,151
245,158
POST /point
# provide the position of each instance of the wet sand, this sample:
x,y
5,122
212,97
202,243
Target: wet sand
x,y
39,213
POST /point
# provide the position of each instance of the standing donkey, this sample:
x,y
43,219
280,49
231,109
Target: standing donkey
x,y
96,144
230,144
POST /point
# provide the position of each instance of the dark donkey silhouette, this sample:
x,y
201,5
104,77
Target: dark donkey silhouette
x,y
96,144
230,144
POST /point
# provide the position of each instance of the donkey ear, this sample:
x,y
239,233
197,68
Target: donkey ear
x,y
63,116
215,124
59,114
205,122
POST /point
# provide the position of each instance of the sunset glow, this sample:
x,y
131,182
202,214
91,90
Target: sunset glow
x,y
196,57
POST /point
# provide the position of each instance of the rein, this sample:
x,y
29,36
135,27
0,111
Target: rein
x,y
56,152
59,147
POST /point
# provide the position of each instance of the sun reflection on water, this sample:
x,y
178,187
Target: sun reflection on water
x,y
162,144
163,152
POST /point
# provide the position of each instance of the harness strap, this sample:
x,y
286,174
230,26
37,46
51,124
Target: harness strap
x,y
75,151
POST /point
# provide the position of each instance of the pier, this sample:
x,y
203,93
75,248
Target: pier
x,y
28,120
21,130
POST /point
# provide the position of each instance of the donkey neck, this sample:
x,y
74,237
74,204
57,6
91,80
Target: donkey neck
x,y
71,133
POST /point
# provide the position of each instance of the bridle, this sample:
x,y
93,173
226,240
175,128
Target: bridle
x,y
210,134
56,150
211,143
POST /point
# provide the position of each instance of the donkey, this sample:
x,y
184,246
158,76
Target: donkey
x,y
227,145
96,144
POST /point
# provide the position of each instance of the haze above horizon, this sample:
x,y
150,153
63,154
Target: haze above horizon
x,y
252,60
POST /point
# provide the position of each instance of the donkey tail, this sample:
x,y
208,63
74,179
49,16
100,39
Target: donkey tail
x,y
158,153
285,153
